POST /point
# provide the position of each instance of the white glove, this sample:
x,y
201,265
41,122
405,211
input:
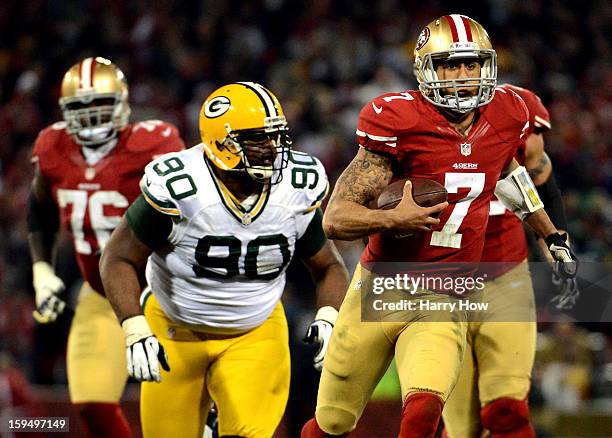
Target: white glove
x,y
144,352
320,332
47,285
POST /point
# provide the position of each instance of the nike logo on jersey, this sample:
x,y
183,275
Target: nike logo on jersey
x,y
377,109
166,132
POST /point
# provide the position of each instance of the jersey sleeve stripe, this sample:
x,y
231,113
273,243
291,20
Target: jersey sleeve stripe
x,y
524,130
164,207
375,137
317,202
539,122
144,296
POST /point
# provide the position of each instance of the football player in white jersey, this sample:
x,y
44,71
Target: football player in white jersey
x,y
218,224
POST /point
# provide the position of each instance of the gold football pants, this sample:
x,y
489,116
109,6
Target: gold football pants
x,y
500,353
247,376
96,363
428,353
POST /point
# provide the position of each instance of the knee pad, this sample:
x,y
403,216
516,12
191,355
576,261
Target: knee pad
x,y
507,418
420,415
104,420
335,421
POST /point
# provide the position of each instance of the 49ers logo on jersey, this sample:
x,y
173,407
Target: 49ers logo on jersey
x,y
423,38
217,107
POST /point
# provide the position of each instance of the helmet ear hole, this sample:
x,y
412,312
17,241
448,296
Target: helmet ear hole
x,y
230,145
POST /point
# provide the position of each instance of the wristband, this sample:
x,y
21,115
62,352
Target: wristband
x,y
135,329
327,313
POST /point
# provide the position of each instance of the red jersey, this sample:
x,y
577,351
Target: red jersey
x,y
505,238
92,199
425,145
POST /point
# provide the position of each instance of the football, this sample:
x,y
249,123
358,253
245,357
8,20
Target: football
x,y
425,193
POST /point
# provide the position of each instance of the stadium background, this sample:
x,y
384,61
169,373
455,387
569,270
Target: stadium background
x,y
324,60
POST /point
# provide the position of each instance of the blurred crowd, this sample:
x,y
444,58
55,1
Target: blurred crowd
x,y
324,59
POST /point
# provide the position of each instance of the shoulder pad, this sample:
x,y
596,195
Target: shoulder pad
x,y
51,145
166,181
514,105
307,181
539,118
382,119
154,136
508,103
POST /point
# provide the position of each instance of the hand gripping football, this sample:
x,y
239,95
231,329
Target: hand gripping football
x,y
425,193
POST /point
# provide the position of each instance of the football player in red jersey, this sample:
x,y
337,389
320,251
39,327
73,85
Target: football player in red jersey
x,y
87,173
457,131
496,370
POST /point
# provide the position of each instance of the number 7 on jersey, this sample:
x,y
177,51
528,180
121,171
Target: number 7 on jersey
x,y
453,181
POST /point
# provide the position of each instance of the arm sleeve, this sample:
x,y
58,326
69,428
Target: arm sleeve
x,y
313,238
553,202
43,216
150,225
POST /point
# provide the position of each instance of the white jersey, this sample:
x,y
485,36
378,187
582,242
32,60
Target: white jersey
x,y
224,267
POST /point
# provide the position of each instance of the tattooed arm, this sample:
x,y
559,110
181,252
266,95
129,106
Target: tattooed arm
x,y
536,161
347,218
